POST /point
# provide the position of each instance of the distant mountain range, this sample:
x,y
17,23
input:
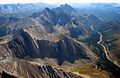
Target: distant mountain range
x,y
19,10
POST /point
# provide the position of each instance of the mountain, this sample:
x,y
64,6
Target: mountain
x,y
25,46
57,15
66,9
21,10
104,11
57,50
68,19
53,43
11,8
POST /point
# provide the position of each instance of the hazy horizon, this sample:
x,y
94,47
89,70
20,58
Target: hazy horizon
x,y
57,1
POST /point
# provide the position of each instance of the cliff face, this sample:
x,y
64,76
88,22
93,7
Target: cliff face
x,y
15,67
66,49
29,43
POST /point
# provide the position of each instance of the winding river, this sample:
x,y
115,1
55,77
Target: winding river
x,y
104,48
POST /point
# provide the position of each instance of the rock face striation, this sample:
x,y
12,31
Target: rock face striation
x,y
14,66
23,69
25,45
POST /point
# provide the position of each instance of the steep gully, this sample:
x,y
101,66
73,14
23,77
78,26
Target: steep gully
x,y
104,48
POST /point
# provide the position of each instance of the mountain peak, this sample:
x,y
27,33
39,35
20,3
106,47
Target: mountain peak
x,y
67,8
47,9
65,5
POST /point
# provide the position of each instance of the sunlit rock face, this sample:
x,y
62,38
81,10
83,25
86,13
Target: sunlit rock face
x,y
25,45
23,69
14,67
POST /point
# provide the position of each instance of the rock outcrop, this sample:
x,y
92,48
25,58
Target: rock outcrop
x,y
17,68
24,44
